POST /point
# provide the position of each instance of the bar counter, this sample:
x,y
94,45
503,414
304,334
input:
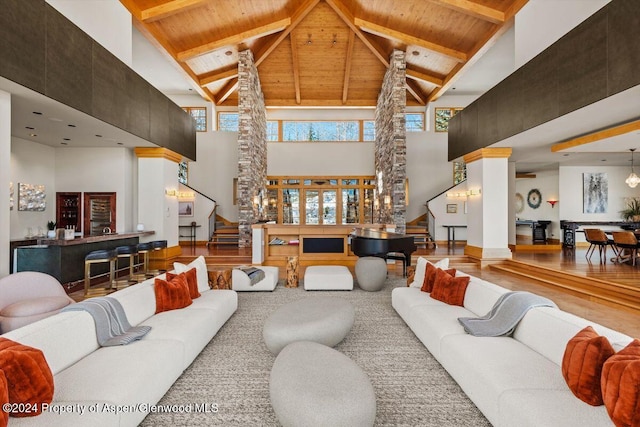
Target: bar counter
x,y
64,259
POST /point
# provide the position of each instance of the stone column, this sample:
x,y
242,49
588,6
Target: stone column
x,y
5,177
158,211
391,144
252,145
488,204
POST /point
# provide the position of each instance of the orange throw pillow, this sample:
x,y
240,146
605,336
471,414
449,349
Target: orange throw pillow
x,y
430,277
28,376
192,281
621,385
172,294
4,399
582,363
449,289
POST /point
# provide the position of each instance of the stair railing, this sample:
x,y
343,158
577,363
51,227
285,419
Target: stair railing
x,y
212,222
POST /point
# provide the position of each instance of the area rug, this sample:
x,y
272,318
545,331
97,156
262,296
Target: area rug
x,y
228,383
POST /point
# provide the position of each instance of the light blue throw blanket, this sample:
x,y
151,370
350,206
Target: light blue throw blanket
x,y
505,315
112,326
255,274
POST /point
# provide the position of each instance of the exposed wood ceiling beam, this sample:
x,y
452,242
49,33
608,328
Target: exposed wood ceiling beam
x,y
218,75
226,91
474,9
422,76
157,39
305,102
525,175
166,9
416,92
481,47
408,39
349,19
296,69
597,136
296,18
261,31
347,66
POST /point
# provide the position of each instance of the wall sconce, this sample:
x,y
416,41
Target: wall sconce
x,y
186,195
476,192
265,202
376,203
387,201
451,195
170,192
552,202
256,200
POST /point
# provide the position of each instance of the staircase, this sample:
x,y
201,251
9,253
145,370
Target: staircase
x,y
612,294
224,233
421,235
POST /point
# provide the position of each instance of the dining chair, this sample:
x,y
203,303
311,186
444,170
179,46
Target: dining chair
x,y
597,238
625,240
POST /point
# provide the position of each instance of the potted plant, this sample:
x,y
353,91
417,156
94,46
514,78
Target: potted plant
x,y
632,211
51,226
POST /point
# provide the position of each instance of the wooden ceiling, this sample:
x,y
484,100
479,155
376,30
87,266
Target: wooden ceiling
x,y
323,52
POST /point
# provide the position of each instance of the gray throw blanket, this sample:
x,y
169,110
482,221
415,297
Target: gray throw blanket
x,y
255,274
112,326
505,314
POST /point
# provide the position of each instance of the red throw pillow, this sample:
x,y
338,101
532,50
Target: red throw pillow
x,y
430,277
449,289
582,363
28,376
192,281
4,399
172,294
621,385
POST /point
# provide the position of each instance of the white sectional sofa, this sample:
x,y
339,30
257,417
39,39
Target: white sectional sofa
x,y
514,381
131,377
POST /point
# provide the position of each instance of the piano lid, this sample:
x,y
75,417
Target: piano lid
x,y
369,233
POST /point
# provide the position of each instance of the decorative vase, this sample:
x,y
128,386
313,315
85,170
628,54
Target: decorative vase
x,y
51,234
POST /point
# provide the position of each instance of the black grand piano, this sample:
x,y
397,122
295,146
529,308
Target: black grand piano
x,y
383,244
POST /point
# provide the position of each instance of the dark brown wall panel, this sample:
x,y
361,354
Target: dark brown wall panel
x,y
582,72
488,117
469,131
510,96
137,108
624,45
109,87
22,52
68,63
540,91
159,118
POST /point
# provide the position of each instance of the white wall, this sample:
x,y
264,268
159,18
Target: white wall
x,y
99,170
540,23
5,178
32,163
107,22
439,208
570,203
547,183
320,158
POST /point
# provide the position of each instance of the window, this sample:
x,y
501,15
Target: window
x,y
228,122
368,130
320,131
442,117
414,122
199,114
272,130
183,172
459,172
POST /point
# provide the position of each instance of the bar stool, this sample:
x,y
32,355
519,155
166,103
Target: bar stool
x,y
143,266
157,245
99,257
129,252
598,238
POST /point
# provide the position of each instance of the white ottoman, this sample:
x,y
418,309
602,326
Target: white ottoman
x,y
241,282
328,277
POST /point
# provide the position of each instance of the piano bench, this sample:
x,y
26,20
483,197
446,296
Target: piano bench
x,y
328,278
399,256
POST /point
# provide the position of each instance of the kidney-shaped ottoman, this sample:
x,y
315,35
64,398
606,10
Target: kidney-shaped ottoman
x,y
314,385
325,320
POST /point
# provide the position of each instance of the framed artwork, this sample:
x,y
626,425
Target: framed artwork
x,y
534,198
452,208
31,197
11,195
595,192
185,208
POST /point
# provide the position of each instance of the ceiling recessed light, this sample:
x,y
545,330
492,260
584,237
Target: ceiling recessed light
x,y
66,139
603,160
55,119
37,112
566,155
63,143
99,136
228,53
29,127
33,134
71,126
120,143
415,53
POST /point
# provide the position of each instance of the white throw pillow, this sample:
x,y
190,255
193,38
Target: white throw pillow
x,y
201,271
421,269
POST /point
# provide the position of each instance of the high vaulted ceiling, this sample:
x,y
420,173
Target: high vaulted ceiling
x,y
323,52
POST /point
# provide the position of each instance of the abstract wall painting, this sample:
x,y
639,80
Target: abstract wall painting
x,y
31,197
595,188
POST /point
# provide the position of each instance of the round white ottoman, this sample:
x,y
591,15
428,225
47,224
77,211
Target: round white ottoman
x,y
325,320
314,385
371,273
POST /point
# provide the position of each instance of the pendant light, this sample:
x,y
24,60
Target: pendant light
x,y
632,180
